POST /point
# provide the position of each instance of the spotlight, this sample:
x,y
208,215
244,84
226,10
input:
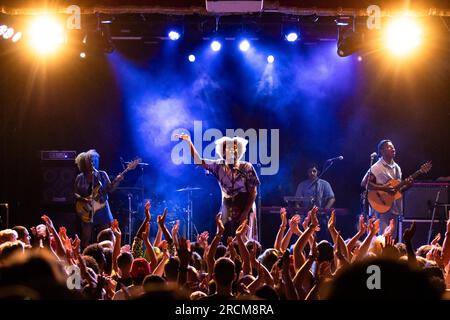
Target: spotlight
x,y
292,36
270,59
46,34
3,29
244,45
215,45
403,35
349,44
360,58
191,58
8,33
343,21
82,55
17,37
174,35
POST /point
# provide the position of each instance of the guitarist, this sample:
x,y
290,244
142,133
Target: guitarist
x,y
89,178
384,170
237,179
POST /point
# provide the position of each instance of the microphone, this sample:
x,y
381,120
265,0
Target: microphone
x,y
373,155
335,158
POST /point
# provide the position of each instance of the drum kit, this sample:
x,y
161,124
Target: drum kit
x,y
133,208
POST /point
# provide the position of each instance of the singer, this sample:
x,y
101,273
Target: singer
x,y
89,180
238,182
318,190
381,173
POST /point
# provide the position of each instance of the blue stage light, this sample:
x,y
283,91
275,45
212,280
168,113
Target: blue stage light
x,y
292,36
244,45
191,58
215,45
174,35
270,59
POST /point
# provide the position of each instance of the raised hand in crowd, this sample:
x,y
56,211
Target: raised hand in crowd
x,y
281,230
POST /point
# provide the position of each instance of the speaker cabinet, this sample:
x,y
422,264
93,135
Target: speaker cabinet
x,y
420,199
58,182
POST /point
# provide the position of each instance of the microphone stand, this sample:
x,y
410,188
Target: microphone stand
x,y
258,209
433,215
364,196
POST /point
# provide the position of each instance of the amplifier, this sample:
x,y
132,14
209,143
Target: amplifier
x,y
423,234
422,197
47,155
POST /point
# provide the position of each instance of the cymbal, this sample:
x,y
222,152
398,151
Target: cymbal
x,y
189,189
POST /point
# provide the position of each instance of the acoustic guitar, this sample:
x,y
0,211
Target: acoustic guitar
x,y
97,199
382,201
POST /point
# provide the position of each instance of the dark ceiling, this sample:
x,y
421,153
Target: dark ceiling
x,y
14,6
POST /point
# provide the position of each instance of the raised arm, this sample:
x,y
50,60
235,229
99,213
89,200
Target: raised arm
x,y
362,227
117,244
149,248
60,250
301,275
374,227
215,244
194,153
147,219
136,247
446,245
291,293
174,232
408,234
246,263
303,240
293,229
281,230
161,223
341,247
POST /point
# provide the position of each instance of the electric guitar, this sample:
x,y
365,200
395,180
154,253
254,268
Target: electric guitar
x,y
97,200
382,201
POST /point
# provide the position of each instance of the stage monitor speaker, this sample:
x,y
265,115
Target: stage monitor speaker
x,y
58,172
420,199
422,231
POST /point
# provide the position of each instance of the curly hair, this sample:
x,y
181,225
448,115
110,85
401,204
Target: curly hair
x,y
80,161
84,157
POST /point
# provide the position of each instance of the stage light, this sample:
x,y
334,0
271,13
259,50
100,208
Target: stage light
x,y
349,44
17,37
360,58
82,55
270,59
3,29
292,36
403,35
46,34
215,45
244,45
8,33
174,35
191,58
